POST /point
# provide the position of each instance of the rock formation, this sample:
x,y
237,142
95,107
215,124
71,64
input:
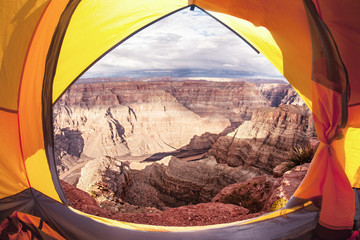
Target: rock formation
x,y
280,94
179,183
266,140
159,117
261,193
285,187
183,183
85,202
283,167
195,150
105,177
251,194
68,148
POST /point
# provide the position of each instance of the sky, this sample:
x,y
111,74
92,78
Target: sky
x,y
185,44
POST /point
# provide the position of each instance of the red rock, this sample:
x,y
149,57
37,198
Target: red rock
x,y
283,167
192,215
203,214
313,144
286,186
77,198
251,194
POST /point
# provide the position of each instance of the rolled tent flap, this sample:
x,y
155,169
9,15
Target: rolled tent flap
x,y
344,24
326,177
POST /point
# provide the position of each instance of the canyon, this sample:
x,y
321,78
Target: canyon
x,y
161,144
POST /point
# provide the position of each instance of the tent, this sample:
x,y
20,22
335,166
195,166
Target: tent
x,y
46,45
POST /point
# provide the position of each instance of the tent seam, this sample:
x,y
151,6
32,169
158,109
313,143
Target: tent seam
x,y
8,110
19,91
232,30
48,78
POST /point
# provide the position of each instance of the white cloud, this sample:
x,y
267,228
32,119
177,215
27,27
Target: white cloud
x,y
185,40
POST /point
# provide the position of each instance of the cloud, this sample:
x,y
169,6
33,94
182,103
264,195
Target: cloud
x,y
185,40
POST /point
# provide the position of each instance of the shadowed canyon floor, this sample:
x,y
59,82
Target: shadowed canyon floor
x,y
149,150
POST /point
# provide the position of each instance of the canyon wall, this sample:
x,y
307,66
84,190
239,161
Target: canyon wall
x,y
266,140
234,100
120,119
144,118
180,118
280,94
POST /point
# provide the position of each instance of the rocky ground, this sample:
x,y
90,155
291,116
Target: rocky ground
x,y
235,202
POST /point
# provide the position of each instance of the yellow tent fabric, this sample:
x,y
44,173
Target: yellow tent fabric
x,y
18,23
46,45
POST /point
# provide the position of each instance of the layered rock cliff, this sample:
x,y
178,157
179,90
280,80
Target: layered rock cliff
x,y
280,94
142,118
184,183
124,119
267,139
234,100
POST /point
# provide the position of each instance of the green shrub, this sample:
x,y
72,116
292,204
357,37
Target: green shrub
x,y
301,155
93,194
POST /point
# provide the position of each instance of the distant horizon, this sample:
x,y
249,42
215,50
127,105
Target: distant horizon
x,y
169,78
186,72
185,44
